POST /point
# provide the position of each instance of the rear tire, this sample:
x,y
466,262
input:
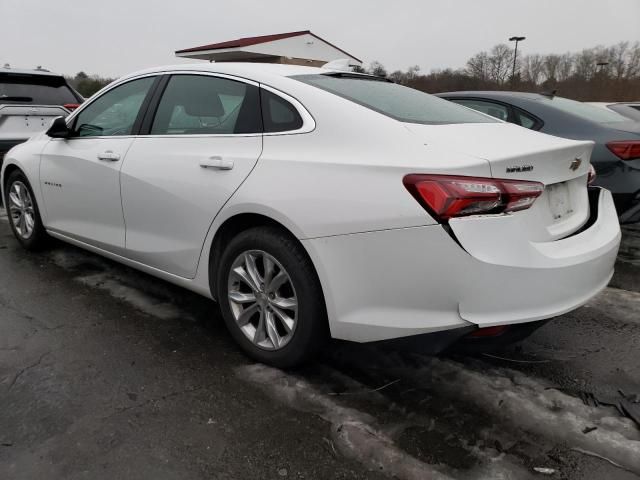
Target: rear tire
x,y
271,298
23,212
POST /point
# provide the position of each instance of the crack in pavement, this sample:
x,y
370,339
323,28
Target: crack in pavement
x,y
26,369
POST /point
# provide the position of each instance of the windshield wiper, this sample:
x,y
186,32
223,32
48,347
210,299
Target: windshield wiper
x,y
16,98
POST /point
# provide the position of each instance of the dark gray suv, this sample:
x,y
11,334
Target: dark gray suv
x,y
616,156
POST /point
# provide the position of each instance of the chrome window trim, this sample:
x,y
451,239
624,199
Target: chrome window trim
x,y
308,122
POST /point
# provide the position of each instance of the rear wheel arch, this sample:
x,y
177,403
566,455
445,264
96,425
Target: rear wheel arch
x,y
236,224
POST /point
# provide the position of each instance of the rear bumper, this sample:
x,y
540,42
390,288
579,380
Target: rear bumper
x,y
404,282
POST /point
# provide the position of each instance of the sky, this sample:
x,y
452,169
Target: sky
x,y
115,37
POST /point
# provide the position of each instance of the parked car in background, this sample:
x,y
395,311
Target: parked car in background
x,y
616,156
631,110
313,202
29,101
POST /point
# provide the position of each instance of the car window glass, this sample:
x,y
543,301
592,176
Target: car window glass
x,y
582,110
629,111
490,108
396,101
114,112
525,120
278,114
206,105
35,90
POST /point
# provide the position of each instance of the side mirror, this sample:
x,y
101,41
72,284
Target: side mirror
x,y
59,129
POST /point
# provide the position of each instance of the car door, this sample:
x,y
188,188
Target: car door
x,y
204,138
80,175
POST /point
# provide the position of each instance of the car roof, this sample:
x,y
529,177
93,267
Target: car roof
x,y
249,70
25,71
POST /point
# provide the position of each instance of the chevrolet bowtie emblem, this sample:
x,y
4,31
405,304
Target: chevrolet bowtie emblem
x,y
575,165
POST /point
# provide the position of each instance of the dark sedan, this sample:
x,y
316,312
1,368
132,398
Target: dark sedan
x,y
616,156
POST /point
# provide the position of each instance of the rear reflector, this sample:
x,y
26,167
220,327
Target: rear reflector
x,y
448,196
71,106
489,331
625,149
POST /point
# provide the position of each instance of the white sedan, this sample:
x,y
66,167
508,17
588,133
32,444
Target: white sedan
x,y
315,203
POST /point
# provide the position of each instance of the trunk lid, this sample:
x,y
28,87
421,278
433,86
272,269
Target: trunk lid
x,y
19,122
516,153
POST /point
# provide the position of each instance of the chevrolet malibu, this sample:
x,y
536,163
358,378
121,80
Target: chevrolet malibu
x,y
315,203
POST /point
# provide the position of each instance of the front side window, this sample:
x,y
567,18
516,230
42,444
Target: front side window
x,y
206,105
115,112
396,101
496,110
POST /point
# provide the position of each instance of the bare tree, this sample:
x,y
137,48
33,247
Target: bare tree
x,y
377,69
564,67
551,63
478,66
586,63
618,59
633,61
533,68
500,63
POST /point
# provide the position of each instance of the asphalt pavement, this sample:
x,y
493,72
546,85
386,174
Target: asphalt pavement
x,y
108,373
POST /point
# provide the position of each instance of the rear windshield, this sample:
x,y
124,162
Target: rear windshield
x,y
395,101
584,110
629,111
35,89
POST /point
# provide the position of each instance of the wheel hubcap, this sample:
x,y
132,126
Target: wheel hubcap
x,y
263,299
21,209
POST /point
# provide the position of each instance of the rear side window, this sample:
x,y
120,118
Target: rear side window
x,y
395,101
526,121
278,114
206,105
496,110
35,90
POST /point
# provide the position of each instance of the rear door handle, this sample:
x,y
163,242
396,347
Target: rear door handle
x,y
217,163
109,156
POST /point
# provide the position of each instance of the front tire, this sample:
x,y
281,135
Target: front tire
x,y
271,298
23,212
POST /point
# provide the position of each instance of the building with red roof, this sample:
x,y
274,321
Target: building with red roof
x,y
295,48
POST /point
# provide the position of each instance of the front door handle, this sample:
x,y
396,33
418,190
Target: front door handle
x,y
109,156
217,163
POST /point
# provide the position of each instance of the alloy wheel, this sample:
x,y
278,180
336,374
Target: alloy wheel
x,y
263,299
21,209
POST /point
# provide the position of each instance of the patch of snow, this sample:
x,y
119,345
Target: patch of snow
x,y
138,299
622,305
358,436
529,405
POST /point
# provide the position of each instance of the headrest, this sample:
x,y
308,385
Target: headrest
x,y
211,107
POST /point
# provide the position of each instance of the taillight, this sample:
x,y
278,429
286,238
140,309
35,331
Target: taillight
x,y
625,149
71,106
592,175
448,196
